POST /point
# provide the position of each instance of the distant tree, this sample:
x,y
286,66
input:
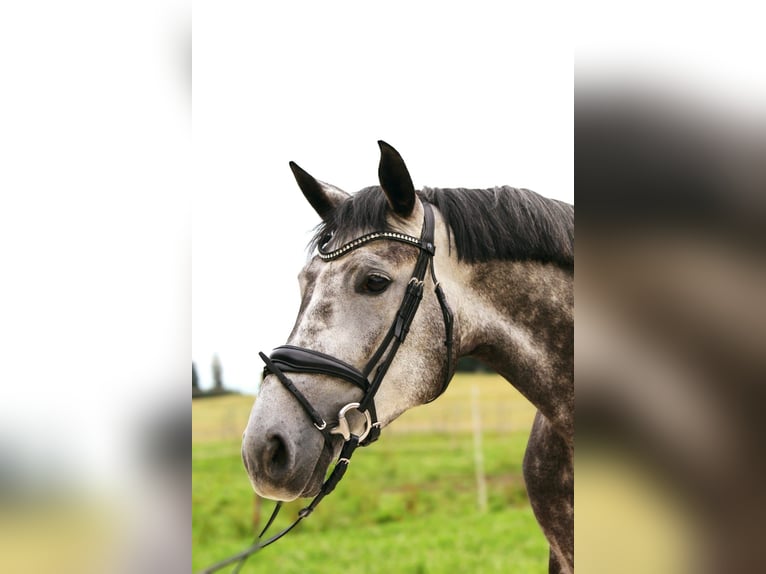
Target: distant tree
x,y
472,365
217,374
195,380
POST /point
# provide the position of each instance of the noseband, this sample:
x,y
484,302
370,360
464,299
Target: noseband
x,y
292,359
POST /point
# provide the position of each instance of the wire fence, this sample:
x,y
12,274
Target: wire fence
x,y
500,408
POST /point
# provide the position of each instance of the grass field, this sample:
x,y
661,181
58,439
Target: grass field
x,y
407,505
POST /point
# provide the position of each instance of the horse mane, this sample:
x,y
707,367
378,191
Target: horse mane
x,y
501,223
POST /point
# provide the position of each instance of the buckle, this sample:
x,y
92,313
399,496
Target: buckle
x,y
344,429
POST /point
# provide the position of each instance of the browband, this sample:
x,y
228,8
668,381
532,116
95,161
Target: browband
x,y
359,241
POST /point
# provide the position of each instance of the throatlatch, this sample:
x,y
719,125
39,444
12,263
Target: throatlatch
x,y
292,359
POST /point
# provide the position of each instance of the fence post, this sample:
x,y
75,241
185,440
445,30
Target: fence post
x,y
478,453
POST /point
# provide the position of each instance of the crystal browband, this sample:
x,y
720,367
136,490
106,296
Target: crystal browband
x,y
390,235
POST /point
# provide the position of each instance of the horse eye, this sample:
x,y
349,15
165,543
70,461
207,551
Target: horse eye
x,y
376,283
325,239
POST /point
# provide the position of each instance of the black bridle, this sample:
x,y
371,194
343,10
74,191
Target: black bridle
x,y
292,359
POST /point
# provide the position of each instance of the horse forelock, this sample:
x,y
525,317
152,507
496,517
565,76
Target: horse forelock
x,y
366,210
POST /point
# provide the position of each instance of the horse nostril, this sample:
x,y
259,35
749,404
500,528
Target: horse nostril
x,y
276,456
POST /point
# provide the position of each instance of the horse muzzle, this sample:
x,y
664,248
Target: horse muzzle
x,y
283,463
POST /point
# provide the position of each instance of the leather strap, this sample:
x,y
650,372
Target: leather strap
x,y
292,359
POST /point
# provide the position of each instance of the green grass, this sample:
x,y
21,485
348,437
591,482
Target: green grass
x,y
407,503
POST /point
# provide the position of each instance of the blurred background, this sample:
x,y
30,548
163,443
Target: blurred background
x,y
670,178
95,253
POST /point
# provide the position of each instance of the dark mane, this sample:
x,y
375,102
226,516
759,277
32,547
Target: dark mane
x,y
488,224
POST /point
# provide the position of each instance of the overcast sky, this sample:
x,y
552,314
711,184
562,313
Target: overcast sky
x,y
470,97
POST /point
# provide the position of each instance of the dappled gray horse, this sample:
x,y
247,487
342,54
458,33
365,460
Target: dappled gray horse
x,y
403,283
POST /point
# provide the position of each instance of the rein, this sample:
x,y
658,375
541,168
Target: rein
x,y
292,359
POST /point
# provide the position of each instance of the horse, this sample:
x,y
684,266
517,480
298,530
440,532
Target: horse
x,y
402,284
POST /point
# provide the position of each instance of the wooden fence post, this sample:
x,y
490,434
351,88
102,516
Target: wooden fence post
x,y
478,453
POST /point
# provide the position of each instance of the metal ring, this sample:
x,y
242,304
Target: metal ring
x,y
343,428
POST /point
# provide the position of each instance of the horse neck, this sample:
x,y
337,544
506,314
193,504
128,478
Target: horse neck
x,y
518,317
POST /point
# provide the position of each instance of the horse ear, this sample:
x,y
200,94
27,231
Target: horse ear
x,y
323,197
395,180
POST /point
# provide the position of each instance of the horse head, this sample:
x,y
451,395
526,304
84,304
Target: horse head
x,y
353,292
